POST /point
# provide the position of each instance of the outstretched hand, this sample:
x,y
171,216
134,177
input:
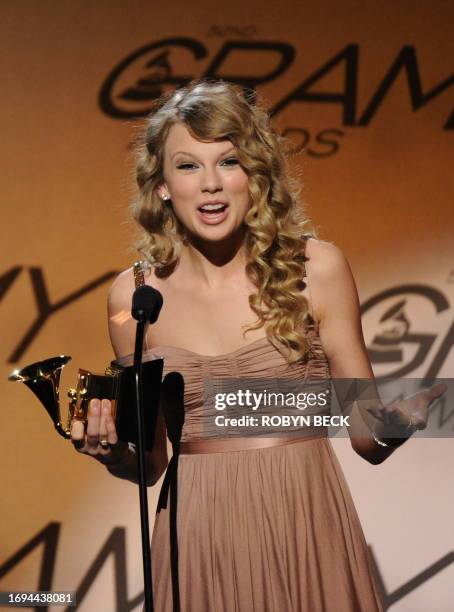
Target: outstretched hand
x,y
403,417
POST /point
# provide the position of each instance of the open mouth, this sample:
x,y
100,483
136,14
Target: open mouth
x,y
212,209
213,214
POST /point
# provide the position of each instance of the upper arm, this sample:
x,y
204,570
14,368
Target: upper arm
x,y
122,326
122,330
337,308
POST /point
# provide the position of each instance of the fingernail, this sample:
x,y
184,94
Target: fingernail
x,y
78,429
95,403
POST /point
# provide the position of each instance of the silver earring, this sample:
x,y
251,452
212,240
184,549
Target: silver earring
x,y
165,197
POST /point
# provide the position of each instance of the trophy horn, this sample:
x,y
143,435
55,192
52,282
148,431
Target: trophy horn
x,y
43,378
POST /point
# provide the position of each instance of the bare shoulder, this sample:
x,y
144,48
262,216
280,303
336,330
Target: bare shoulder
x,y
324,257
329,275
120,292
122,326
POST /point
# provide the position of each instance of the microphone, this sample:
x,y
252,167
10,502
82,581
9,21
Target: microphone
x,y
146,304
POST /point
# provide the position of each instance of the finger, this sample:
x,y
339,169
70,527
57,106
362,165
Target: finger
x,y
423,401
105,411
419,423
78,434
435,391
94,414
119,448
112,436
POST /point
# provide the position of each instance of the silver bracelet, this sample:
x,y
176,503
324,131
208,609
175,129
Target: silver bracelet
x,y
410,428
378,441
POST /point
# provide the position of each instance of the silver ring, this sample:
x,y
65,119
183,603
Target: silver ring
x,y
104,443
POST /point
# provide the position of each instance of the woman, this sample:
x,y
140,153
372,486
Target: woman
x,y
261,525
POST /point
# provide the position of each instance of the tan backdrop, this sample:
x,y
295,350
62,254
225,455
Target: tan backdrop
x,y
365,92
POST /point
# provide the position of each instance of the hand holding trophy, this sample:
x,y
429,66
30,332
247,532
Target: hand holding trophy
x,y
100,440
115,388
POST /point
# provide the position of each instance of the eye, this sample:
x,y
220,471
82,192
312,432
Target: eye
x,y
186,166
230,161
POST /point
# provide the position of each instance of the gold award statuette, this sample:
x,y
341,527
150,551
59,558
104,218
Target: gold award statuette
x,y
116,384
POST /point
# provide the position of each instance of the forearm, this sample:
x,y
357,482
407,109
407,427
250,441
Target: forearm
x,y
371,438
129,469
373,452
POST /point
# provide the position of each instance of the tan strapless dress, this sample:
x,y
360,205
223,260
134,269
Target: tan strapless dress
x,y
265,529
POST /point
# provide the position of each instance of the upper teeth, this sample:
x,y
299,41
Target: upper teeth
x,y
212,206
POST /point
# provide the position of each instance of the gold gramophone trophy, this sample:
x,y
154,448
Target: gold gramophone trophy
x,y
116,384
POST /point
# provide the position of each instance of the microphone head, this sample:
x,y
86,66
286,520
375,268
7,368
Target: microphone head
x,y
146,304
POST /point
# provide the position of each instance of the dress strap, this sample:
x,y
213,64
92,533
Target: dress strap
x,y
138,273
139,281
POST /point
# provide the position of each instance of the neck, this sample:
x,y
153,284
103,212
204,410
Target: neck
x,y
213,264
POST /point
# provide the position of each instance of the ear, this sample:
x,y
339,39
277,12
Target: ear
x,y
163,192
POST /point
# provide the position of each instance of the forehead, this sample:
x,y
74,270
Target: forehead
x,y
180,138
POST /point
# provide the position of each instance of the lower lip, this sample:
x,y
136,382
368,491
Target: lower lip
x,y
213,218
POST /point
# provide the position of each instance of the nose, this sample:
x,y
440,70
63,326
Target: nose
x,y
210,180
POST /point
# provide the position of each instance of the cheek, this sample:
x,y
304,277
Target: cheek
x,y
238,183
182,186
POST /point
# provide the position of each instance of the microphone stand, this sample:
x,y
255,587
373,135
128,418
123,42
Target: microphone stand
x,y
146,305
144,520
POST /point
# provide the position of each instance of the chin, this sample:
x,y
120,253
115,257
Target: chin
x,y
215,234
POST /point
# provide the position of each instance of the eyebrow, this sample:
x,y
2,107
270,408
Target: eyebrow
x,y
192,155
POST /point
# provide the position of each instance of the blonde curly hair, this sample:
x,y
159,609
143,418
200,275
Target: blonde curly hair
x,y
276,224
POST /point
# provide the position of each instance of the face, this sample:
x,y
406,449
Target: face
x,y
207,185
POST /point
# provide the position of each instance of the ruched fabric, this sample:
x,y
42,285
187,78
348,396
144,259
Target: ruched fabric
x,y
266,529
